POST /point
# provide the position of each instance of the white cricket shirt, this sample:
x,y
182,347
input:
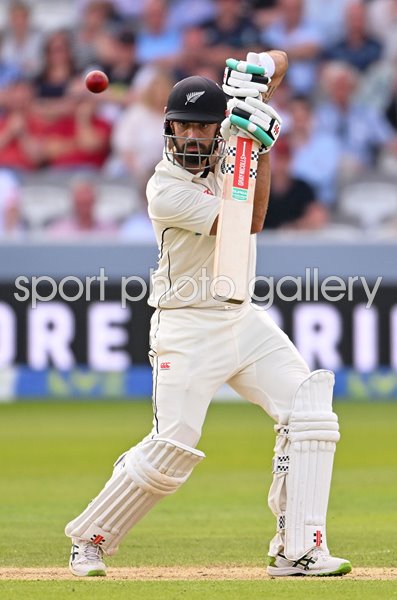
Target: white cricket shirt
x,y
183,207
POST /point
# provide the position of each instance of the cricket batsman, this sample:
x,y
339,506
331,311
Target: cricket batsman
x,y
198,342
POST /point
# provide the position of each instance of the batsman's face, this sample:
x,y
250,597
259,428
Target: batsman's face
x,y
194,141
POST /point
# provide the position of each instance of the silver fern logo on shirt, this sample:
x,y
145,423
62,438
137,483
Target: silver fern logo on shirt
x,y
193,97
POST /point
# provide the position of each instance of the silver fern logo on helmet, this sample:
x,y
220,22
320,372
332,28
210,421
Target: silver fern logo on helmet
x,y
193,97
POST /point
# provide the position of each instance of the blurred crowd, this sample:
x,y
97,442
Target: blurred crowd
x,y
338,103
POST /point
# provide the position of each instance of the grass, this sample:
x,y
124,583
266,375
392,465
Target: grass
x,y
55,457
200,590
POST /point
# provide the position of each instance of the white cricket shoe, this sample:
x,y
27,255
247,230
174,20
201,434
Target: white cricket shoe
x,y
86,559
316,562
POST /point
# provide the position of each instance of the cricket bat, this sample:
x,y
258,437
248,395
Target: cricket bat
x,y
235,217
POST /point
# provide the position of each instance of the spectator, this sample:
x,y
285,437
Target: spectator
x,y
357,47
94,20
10,222
265,12
58,67
361,130
376,87
127,10
316,153
329,17
22,44
190,13
300,39
117,10
192,58
292,201
18,152
137,142
83,220
120,64
9,73
157,40
31,139
387,159
117,58
56,75
232,32
79,140
391,109
382,24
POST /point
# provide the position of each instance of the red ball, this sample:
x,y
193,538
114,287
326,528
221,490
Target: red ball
x,y
96,81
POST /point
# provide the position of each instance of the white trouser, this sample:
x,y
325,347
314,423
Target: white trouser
x,y
194,351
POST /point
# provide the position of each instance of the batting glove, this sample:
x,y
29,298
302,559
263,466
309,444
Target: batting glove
x,y
252,118
248,78
242,79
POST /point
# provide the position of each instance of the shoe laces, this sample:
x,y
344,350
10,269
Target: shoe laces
x,y
319,552
92,552
314,555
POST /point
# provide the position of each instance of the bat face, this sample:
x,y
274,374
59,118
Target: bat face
x,y
234,223
235,217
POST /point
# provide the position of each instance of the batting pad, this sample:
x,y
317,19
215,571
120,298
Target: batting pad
x,y
303,468
141,477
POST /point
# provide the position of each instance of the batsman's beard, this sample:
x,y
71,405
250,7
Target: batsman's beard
x,y
194,154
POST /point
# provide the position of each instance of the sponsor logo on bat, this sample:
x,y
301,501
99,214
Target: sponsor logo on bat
x,y
242,169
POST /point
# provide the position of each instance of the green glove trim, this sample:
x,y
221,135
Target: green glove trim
x,y
252,69
256,131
